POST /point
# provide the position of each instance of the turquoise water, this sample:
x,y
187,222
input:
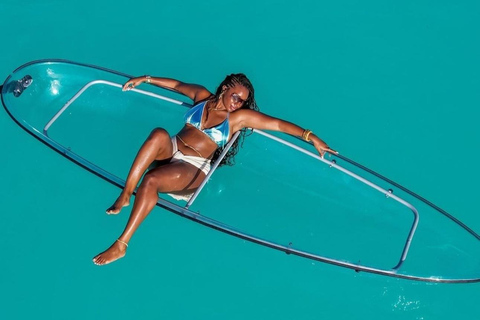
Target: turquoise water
x,y
394,87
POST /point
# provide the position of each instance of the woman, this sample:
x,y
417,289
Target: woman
x,y
209,125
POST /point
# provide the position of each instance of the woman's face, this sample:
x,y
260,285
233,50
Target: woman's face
x,y
234,97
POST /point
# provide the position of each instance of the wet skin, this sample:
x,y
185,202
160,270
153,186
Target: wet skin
x,y
193,137
170,178
180,177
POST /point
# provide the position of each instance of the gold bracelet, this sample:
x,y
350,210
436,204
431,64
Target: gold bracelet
x,y
306,134
149,79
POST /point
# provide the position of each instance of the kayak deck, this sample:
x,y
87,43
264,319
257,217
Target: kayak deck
x,y
337,211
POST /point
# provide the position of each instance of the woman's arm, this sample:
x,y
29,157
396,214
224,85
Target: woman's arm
x,y
257,120
193,91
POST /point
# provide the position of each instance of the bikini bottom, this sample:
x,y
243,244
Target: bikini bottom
x,y
198,162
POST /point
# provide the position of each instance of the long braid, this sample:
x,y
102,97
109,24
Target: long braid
x,y
230,81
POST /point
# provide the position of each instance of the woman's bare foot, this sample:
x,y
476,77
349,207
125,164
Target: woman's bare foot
x,y
122,201
116,251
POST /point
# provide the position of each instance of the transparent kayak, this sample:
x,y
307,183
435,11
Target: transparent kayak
x,y
280,194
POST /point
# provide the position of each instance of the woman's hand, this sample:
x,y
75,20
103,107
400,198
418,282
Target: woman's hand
x,y
322,147
132,83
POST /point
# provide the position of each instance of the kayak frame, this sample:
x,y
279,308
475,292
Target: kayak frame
x,y
332,164
194,216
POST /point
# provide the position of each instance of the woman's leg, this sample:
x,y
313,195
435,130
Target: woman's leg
x,y
158,146
168,178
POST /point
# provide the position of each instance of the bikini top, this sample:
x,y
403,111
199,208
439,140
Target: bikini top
x,y
219,134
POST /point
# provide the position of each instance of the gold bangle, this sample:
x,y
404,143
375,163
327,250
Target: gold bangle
x,y
149,79
306,134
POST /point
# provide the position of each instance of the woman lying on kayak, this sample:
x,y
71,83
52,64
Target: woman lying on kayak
x,y
209,125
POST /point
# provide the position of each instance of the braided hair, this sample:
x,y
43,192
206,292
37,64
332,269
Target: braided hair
x,y
229,82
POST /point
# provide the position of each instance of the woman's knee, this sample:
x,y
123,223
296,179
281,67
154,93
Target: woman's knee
x,y
159,134
151,180
167,178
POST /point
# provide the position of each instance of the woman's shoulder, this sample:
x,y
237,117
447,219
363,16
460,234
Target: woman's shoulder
x,y
245,113
239,117
202,97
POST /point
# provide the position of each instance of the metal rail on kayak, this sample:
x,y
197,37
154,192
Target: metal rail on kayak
x,y
187,213
387,193
157,96
230,143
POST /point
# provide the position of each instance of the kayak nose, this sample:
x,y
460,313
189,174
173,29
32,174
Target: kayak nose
x,y
21,85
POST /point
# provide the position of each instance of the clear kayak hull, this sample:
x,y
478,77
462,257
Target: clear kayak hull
x,y
336,211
